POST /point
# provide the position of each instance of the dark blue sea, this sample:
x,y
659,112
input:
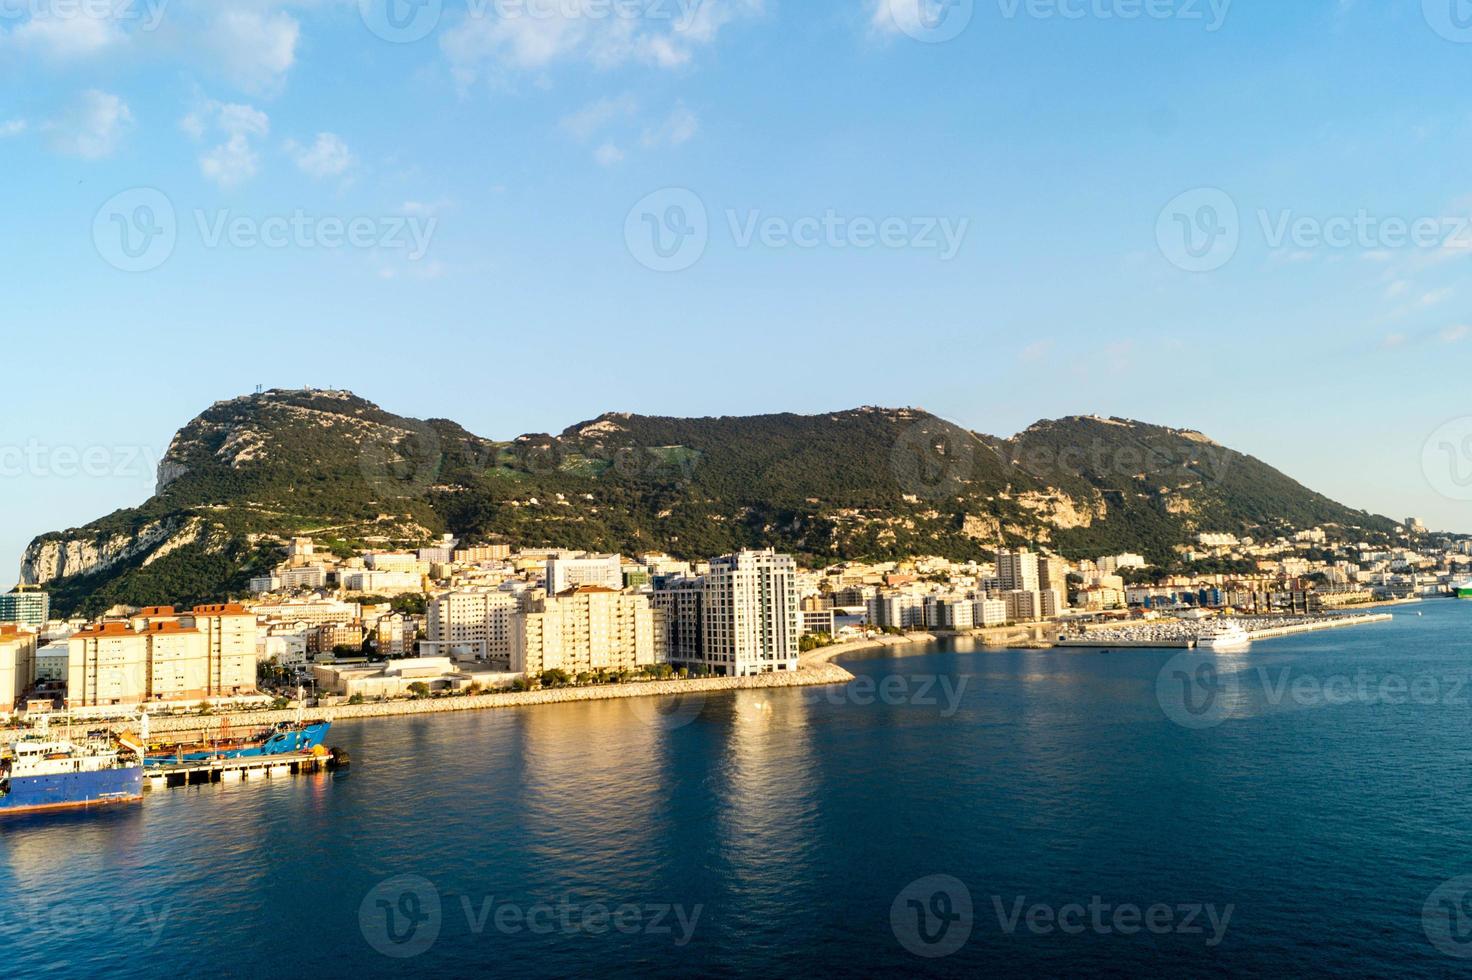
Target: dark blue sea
x,y
1304,808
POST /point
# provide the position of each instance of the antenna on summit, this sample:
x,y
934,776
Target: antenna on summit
x,y
260,389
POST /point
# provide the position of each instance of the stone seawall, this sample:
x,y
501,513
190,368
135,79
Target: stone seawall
x,y
809,675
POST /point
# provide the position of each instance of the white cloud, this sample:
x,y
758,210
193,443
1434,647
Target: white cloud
x,y
329,156
13,127
235,160
255,49
65,38
680,127
1453,334
93,127
607,155
586,31
589,120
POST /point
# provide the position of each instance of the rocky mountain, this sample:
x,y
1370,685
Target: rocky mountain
x,y
250,472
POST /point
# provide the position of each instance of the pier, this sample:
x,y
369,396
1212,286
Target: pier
x,y
174,774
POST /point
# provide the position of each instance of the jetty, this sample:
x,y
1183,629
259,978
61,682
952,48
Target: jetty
x,y
222,770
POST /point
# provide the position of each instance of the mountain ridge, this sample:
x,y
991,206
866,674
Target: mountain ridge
x,y
871,482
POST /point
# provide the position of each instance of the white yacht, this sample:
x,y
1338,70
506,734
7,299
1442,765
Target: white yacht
x,y
1224,636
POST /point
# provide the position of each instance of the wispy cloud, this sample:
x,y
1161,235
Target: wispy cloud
x,y
93,127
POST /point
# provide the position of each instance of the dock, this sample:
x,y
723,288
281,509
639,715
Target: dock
x,y
174,774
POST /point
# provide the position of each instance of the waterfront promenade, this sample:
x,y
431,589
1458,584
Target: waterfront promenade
x,y
816,669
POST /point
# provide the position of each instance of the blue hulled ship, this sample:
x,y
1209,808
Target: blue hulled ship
x,y
39,773
282,739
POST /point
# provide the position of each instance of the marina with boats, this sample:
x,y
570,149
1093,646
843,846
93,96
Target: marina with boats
x,y
1225,633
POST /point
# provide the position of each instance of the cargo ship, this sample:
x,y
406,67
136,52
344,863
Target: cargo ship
x,y
39,772
283,739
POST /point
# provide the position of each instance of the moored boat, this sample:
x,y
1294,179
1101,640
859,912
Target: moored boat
x,y
1225,636
283,739
39,772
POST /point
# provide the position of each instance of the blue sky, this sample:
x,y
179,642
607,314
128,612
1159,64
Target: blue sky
x,y
981,207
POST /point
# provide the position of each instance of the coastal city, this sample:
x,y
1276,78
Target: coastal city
x,y
452,618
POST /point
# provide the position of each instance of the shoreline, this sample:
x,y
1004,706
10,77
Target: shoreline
x,y
815,669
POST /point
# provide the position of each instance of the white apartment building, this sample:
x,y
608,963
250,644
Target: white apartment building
x,y
473,624
989,612
313,612
751,617
604,571
1017,570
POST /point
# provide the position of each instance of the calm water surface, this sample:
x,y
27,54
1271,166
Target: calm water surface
x,y
772,833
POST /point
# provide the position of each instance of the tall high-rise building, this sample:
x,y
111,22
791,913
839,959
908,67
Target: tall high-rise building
x,y
27,606
682,601
473,623
1053,574
583,630
1017,570
750,613
604,571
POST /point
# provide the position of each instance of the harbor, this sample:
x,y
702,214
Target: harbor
x,y
1184,635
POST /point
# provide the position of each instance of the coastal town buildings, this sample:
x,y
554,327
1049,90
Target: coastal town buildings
x,y
17,664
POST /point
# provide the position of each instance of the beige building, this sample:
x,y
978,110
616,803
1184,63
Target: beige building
x,y
17,664
178,664
230,646
106,664
583,630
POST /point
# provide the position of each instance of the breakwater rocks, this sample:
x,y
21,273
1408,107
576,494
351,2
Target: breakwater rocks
x,y
809,675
